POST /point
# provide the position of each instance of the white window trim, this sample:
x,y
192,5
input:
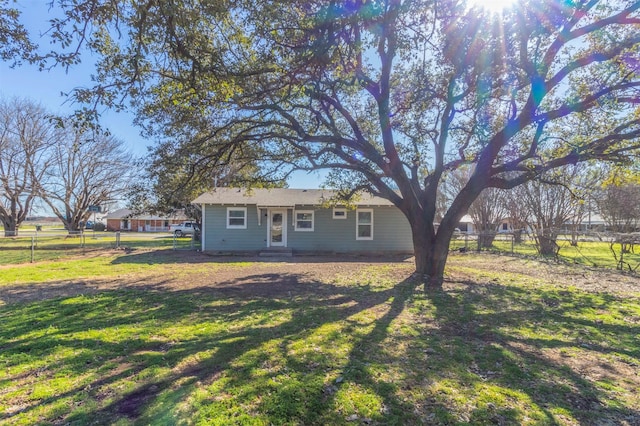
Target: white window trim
x,y
203,241
339,209
358,224
295,220
244,209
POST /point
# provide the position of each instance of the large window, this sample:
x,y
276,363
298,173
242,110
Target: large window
x,y
236,218
304,220
364,224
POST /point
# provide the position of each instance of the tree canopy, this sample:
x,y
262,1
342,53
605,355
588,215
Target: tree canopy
x,y
388,94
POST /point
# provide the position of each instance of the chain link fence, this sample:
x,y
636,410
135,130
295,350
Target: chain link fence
x,y
598,249
610,250
38,245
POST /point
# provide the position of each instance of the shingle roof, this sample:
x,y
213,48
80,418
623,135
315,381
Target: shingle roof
x,y
280,197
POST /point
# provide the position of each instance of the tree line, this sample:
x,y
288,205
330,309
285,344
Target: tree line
x,y
558,202
55,164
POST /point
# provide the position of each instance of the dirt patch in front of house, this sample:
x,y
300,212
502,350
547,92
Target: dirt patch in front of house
x,y
469,276
257,276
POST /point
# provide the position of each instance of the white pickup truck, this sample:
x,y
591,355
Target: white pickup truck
x,y
184,228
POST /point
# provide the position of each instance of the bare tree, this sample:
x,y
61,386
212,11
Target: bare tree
x,y
88,169
619,205
517,212
487,211
25,135
551,204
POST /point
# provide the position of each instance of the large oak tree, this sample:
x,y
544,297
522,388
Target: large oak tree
x,y
392,94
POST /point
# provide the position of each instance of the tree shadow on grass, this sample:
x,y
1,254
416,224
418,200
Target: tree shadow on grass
x,y
528,341
116,339
284,348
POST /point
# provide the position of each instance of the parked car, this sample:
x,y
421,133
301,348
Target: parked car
x,y
184,228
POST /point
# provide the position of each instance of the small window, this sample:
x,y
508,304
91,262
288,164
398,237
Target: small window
x,y
339,213
304,220
364,224
236,218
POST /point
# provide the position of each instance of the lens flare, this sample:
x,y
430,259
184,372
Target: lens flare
x,y
494,6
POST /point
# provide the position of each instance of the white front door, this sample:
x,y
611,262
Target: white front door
x,y
277,228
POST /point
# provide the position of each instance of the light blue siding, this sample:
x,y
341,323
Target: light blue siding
x,y
391,232
218,238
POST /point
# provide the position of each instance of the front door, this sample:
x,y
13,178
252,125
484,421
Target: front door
x,y
278,228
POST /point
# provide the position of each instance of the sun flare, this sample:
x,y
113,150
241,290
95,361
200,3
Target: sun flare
x,y
494,6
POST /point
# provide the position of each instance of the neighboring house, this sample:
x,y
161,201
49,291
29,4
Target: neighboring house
x,y
125,220
466,225
300,220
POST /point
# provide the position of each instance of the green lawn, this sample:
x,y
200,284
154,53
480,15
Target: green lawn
x,y
589,253
55,244
180,338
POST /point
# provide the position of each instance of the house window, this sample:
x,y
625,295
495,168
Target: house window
x,y
339,213
236,218
364,224
304,220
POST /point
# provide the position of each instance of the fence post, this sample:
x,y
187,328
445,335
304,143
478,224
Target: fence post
x,y
513,243
33,249
117,239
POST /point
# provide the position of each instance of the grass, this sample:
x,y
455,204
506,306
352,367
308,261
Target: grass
x,y
54,244
589,253
360,345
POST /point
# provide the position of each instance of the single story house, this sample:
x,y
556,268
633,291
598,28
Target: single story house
x,y
300,220
126,220
466,225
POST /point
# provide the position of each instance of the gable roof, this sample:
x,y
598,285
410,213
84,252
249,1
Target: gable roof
x,y
281,197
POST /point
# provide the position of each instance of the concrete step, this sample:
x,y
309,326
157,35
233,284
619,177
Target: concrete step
x,y
276,252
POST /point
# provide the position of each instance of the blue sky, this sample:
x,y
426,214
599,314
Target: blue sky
x,y
45,87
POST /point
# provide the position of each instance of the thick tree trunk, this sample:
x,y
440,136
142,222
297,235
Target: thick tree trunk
x,y
430,258
10,229
485,239
517,236
547,245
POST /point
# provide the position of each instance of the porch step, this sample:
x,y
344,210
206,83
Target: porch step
x,y
276,251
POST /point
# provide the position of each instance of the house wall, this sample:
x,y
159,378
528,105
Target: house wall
x,y
217,237
391,231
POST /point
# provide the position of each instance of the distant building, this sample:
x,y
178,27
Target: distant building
x,y
126,220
